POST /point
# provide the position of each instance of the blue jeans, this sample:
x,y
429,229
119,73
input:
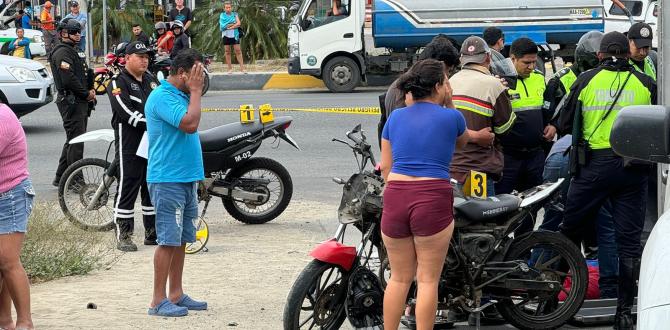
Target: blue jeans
x,y
557,167
15,208
176,206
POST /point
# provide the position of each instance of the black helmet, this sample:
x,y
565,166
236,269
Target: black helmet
x,y
120,49
586,53
70,25
160,25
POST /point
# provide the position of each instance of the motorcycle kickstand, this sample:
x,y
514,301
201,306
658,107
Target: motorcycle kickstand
x,y
478,311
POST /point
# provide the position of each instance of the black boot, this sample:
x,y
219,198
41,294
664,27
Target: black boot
x,y
629,272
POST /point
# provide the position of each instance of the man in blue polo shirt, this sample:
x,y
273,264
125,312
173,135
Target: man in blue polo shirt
x,y
174,168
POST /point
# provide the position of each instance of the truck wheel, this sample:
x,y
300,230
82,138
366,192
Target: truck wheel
x,y
341,74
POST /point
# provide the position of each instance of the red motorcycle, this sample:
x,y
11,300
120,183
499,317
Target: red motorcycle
x,y
102,76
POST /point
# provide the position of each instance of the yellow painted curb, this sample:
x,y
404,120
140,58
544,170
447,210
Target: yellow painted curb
x,y
289,81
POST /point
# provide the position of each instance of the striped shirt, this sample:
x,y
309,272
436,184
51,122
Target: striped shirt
x,y
483,101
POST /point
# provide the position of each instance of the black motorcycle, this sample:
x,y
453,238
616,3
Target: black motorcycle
x,y
536,279
253,190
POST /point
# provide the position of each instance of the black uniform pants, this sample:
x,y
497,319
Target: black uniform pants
x,y
602,178
132,180
521,171
75,119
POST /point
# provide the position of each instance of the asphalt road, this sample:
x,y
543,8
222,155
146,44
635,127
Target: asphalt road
x,y
311,168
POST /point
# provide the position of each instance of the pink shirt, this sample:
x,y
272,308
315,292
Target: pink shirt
x,y
13,150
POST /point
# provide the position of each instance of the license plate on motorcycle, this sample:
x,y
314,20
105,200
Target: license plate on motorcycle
x,y
247,113
475,185
266,114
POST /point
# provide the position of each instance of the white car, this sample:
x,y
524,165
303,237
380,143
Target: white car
x,y
25,85
37,47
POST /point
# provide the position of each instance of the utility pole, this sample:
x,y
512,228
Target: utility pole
x,y
104,26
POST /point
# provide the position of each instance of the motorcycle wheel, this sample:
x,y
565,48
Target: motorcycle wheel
x,y
551,254
314,296
205,87
278,192
78,186
100,83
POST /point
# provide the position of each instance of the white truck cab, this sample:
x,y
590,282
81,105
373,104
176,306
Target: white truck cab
x,y
328,46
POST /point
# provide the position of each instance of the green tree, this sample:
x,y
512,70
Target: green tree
x,y
119,21
265,35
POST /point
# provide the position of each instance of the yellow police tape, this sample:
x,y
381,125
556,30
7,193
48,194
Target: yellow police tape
x,y
353,110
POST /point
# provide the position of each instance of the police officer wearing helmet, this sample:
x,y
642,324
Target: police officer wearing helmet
x,y
74,83
641,56
598,173
599,239
523,145
128,92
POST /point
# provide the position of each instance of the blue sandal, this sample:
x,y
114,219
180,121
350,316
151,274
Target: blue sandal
x,y
168,309
186,301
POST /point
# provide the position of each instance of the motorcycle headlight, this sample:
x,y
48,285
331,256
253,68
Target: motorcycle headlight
x,y
294,50
22,74
38,39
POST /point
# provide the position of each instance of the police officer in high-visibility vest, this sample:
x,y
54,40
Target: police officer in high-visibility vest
x,y
523,145
593,103
641,56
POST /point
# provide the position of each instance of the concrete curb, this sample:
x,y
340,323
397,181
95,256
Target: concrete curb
x,y
274,81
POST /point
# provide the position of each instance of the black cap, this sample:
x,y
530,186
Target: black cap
x,y
614,43
641,34
137,47
74,4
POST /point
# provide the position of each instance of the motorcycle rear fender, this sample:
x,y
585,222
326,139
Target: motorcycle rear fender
x,y
334,252
106,135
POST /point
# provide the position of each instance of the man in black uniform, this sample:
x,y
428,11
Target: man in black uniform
x,y
599,174
128,91
75,91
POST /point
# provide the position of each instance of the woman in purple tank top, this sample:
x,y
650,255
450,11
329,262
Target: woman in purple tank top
x,y
417,221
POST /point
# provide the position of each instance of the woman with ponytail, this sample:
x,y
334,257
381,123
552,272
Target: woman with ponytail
x,y
418,142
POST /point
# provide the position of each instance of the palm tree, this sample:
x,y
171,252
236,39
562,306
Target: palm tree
x,y
265,35
119,21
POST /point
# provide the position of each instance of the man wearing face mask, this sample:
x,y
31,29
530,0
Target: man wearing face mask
x,y
128,92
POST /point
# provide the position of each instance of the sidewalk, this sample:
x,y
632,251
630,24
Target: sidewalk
x,y
245,277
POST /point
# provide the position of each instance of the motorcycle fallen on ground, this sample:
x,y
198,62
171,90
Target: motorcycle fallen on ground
x,y
253,190
490,261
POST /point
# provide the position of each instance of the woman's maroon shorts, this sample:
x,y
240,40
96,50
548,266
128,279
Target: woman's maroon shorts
x,y
417,208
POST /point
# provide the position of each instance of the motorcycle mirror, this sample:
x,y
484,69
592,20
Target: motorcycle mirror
x,y
338,180
357,129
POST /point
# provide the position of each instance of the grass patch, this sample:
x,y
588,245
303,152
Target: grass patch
x,y
55,248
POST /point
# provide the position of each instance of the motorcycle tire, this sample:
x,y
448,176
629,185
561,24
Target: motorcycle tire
x,y
205,86
87,191
577,267
234,208
100,83
303,286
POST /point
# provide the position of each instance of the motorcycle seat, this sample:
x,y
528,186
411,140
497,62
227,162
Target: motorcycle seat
x,y
218,138
483,210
